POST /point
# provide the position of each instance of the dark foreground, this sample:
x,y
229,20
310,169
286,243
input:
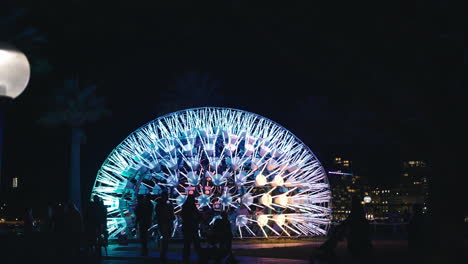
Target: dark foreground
x,y
41,250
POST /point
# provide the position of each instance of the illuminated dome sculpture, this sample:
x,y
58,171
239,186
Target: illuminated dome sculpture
x,y
271,183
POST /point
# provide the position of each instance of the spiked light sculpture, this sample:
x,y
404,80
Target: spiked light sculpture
x,y
268,180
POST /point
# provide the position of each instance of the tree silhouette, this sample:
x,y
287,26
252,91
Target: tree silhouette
x,y
75,106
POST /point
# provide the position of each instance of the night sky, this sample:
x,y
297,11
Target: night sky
x,y
272,60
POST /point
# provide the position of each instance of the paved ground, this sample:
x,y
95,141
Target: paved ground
x,y
269,253
132,253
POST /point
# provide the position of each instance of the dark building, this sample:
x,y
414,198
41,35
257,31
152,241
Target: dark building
x,y
395,203
392,203
344,185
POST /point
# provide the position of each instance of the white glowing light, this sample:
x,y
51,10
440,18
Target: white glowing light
x,y
241,220
262,220
240,178
277,181
247,199
14,71
266,199
280,219
281,200
367,199
229,160
260,180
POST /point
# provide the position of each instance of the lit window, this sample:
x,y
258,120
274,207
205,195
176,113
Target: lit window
x,y
15,183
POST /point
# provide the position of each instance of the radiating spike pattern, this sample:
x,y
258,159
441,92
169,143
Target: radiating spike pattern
x,y
267,179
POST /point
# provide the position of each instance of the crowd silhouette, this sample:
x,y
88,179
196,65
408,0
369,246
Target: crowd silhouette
x,y
70,234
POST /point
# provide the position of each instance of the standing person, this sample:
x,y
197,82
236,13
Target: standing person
x,y
59,218
143,212
359,244
47,224
28,221
92,226
59,235
102,224
74,228
165,217
416,231
223,232
190,218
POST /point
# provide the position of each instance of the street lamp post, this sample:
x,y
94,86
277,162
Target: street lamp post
x,y
14,77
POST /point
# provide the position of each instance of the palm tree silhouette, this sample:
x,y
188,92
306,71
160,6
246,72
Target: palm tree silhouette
x,y
75,106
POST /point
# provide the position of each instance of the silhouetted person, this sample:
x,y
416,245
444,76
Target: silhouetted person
x,y
190,219
28,221
74,228
144,213
223,233
359,244
102,223
47,225
93,227
165,217
416,230
59,218
327,249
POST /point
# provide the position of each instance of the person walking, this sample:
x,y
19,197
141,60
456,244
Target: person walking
x,y
165,218
190,219
143,212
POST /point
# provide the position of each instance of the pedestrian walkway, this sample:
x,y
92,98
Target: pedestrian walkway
x,y
132,253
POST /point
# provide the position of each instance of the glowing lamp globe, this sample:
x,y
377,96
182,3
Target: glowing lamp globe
x,y
367,199
281,200
14,71
277,181
262,220
260,180
280,219
266,199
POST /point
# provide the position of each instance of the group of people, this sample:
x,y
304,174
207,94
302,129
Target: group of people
x,y
219,236
69,230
